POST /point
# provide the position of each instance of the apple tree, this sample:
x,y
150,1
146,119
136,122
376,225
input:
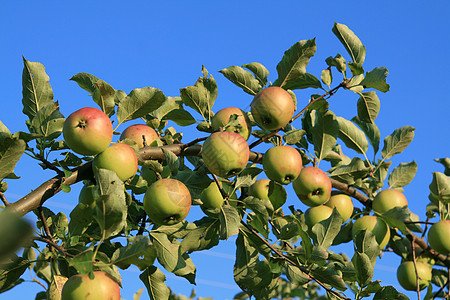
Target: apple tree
x,y
138,191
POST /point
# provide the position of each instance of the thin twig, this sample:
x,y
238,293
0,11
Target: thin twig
x,y
53,244
4,200
46,228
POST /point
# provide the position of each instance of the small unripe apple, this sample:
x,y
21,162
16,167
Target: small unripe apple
x,y
211,196
439,237
222,117
316,214
388,199
272,108
261,189
88,131
119,158
282,164
81,287
139,133
343,204
406,275
312,186
377,226
167,201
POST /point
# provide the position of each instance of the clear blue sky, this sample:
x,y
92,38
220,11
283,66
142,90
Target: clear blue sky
x,y
163,44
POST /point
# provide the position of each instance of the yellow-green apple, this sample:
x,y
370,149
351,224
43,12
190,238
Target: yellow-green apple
x,y
343,204
377,226
312,186
439,237
282,164
272,108
225,154
88,131
316,214
167,201
222,117
211,196
406,275
140,133
81,287
261,189
119,158
388,199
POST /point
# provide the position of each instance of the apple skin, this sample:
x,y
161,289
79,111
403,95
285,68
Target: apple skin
x,y
167,201
282,164
387,200
377,226
272,108
211,196
119,158
312,186
138,132
88,131
225,154
80,287
222,117
316,214
261,190
438,237
406,275
343,204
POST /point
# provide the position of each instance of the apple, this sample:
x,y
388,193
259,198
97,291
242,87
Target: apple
x,y
272,108
406,275
119,158
139,133
261,190
167,201
387,200
316,214
312,186
439,237
211,196
81,287
343,204
222,117
374,224
225,154
88,131
282,164
88,195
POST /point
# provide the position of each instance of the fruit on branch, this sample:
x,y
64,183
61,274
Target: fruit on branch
x,y
119,158
211,196
343,204
88,195
388,199
316,214
88,131
272,108
312,186
282,164
167,201
225,154
266,189
406,275
377,226
81,287
439,237
139,133
222,117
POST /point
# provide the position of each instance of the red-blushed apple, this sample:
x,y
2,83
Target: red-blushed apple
x,y
261,189
316,214
88,131
167,201
343,204
439,237
388,199
282,164
140,133
406,275
81,287
119,158
222,117
312,186
272,108
225,154
377,226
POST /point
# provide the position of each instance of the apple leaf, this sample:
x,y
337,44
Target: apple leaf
x,y
136,245
368,106
350,172
153,280
338,61
371,131
4,132
181,117
242,78
11,150
388,293
328,275
365,242
195,182
10,271
397,141
205,236
353,84
376,79
352,136
324,132
303,81
351,42
261,73
325,231
48,121
230,221
138,103
296,276
440,187
402,175
327,77
82,262
81,218
363,268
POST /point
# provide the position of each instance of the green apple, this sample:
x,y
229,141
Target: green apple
x,y
272,108
225,154
167,201
119,158
377,226
316,214
261,189
387,200
211,196
406,275
88,131
88,195
343,204
439,237
140,133
312,186
81,287
222,117
282,164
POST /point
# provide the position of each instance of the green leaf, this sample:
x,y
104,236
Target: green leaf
x,y
326,230
36,89
352,136
295,275
402,175
10,272
230,221
351,42
349,173
396,218
328,275
324,133
363,268
440,187
371,131
303,81
10,152
205,236
397,141
327,77
389,293
368,106
4,132
136,245
83,262
181,117
260,72
376,79
338,61
15,232
153,280
365,242
242,78
356,68
138,103
195,182
172,160
48,121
